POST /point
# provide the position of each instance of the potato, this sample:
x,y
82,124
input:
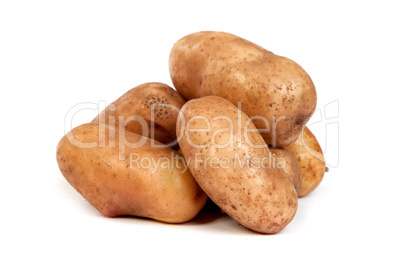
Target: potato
x,y
119,173
229,160
311,160
149,109
274,91
288,163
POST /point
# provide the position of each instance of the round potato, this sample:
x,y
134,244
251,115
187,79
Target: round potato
x,y
288,163
274,91
230,161
311,160
120,173
149,109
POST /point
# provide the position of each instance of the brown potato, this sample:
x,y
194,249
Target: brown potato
x,y
311,160
229,160
274,91
118,173
288,163
149,109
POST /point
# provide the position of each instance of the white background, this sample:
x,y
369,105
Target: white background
x,y
54,55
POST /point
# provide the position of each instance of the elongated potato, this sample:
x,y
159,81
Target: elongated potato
x,y
311,160
121,174
149,109
274,91
286,161
229,160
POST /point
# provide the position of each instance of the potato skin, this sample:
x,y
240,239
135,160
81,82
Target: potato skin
x,y
123,187
260,198
288,163
138,101
267,85
311,160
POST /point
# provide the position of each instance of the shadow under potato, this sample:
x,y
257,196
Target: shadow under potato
x,y
209,213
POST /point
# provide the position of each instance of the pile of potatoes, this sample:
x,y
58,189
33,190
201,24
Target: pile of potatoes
x,y
233,131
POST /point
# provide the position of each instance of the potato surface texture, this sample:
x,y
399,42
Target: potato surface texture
x,y
147,109
108,170
286,161
311,160
223,158
271,87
